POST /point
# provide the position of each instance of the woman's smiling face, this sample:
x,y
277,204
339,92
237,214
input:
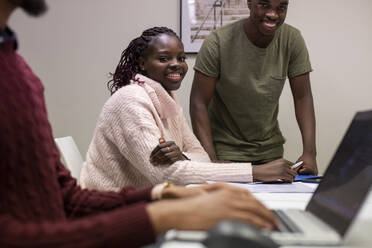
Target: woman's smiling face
x,y
165,61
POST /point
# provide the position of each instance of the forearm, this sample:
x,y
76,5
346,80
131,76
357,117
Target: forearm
x,y
304,109
191,145
81,202
201,128
190,172
124,227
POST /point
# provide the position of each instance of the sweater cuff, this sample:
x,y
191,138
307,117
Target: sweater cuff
x,y
130,196
136,229
233,172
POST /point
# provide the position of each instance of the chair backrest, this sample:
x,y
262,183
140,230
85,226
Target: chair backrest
x,y
70,155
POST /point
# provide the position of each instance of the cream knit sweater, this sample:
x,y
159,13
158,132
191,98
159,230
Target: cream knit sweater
x,y
129,128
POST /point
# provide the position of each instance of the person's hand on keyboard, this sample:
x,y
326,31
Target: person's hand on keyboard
x,y
221,202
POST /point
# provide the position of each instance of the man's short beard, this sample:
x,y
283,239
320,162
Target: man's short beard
x,y
34,7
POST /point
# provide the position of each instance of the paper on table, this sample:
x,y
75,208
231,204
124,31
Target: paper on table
x,y
295,187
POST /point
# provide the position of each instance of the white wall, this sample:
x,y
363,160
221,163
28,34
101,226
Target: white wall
x,y
339,38
78,42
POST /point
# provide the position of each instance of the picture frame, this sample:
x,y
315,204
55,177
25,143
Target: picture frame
x,y
198,18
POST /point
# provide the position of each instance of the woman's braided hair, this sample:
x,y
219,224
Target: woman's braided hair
x,y
128,65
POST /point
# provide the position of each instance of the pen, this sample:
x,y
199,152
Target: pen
x,y
296,165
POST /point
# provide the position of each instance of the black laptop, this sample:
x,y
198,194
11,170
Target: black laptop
x,y
340,195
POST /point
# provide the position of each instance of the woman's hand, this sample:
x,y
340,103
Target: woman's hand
x,y
166,153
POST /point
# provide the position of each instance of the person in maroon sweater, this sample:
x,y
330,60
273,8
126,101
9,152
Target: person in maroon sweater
x,y
42,206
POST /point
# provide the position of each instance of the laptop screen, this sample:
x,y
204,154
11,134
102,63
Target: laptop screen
x,y
347,180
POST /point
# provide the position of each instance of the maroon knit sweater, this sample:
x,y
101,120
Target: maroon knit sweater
x,y
40,203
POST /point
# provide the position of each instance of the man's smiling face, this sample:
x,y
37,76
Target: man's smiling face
x,y
267,15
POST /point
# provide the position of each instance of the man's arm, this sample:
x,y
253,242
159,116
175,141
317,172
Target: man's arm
x,y
304,109
82,202
201,94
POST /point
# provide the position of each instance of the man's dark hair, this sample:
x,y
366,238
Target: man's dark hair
x,y
33,7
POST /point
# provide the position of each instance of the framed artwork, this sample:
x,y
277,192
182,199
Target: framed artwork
x,y
200,17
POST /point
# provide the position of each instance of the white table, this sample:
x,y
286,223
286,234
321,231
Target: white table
x,y
359,234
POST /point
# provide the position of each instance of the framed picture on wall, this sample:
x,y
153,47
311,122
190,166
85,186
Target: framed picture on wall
x,y
200,17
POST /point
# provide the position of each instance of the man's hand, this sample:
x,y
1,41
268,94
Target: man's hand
x,y
220,202
309,167
274,170
175,192
167,152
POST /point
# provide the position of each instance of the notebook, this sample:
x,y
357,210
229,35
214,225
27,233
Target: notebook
x,y
339,196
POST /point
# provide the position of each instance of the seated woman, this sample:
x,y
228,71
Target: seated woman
x,y
142,111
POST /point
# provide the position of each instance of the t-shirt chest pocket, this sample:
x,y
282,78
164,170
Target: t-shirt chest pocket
x,y
272,88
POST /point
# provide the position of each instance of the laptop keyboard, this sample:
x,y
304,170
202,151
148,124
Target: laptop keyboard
x,y
285,223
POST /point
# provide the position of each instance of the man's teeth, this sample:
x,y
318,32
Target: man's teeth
x,y
270,24
174,75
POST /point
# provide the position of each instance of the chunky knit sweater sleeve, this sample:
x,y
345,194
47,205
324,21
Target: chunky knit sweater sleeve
x,y
81,202
123,227
40,204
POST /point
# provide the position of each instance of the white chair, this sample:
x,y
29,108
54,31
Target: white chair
x,y
70,155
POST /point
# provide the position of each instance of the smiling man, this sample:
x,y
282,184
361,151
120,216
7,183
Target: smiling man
x,y
240,72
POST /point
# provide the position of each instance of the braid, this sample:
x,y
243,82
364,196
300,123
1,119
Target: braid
x,y
128,65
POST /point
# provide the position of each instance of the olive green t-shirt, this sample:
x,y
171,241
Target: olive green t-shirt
x,y
244,108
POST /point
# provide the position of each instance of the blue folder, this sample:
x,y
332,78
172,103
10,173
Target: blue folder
x,y
306,178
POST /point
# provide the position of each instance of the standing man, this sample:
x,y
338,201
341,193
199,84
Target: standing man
x,y
239,76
